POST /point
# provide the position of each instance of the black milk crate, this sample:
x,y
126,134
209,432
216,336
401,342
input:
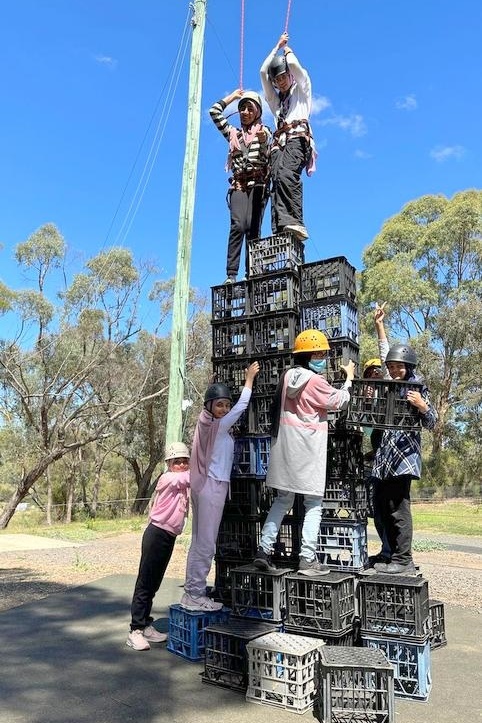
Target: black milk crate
x,y
335,318
275,292
343,545
222,579
382,404
226,657
186,630
274,333
345,639
327,278
345,500
341,351
232,372
271,369
394,605
231,339
237,538
259,414
248,497
437,624
320,604
229,301
283,671
251,455
411,664
345,454
258,594
273,254
288,541
355,685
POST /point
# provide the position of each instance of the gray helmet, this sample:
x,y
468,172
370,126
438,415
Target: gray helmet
x,y
402,353
217,391
253,97
277,67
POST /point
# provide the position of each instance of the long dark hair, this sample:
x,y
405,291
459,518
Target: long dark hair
x,y
300,360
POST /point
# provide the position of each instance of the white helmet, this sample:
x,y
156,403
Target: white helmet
x,y
253,97
176,449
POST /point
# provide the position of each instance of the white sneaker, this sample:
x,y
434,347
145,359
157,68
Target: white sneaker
x,y
137,641
154,636
298,231
201,604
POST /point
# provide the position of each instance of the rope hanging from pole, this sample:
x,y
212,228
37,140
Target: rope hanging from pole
x,y
241,51
287,16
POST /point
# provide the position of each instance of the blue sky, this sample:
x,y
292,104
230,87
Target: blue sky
x,y
397,107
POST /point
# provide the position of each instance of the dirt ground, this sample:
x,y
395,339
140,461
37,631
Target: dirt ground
x,y
454,577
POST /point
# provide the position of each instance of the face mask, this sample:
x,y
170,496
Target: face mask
x,y
318,366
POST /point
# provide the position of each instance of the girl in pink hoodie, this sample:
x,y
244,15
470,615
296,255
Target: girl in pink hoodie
x,y
166,521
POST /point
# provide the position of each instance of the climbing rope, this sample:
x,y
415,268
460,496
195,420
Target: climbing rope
x,y
241,52
287,16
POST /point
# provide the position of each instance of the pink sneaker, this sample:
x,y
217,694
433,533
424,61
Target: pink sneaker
x,y
137,641
154,636
199,604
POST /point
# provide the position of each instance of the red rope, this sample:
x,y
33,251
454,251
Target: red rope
x,y
241,52
287,16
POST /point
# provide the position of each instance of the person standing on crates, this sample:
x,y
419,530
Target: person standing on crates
x,y
248,161
211,463
287,89
297,462
166,520
398,458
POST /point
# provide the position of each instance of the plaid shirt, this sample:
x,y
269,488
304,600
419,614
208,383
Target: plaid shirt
x,y
400,451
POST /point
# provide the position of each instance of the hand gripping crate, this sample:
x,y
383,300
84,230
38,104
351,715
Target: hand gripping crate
x,y
270,372
226,658
437,624
355,684
411,664
257,594
238,538
320,604
186,630
282,671
274,333
394,605
341,351
343,545
328,278
335,318
275,292
232,372
230,301
273,254
382,404
231,339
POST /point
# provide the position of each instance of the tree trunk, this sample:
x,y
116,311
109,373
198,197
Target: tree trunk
x,y
48,509
70,499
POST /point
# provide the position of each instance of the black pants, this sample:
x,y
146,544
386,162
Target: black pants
x,y
247,210
393,503
157,547
287,189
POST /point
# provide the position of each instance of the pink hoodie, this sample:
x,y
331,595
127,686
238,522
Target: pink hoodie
x,y
171,505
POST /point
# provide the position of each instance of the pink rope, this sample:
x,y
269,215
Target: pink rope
x,y
241,52
287,16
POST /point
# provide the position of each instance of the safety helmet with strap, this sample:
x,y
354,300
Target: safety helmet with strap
x,y
310,340
217,391
277,67
176,450
253,97
375,362
402,353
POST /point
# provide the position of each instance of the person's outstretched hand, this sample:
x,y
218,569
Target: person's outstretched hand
x,y
349,369
379,313
284,37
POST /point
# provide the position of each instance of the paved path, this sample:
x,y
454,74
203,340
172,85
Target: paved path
x,y
17,542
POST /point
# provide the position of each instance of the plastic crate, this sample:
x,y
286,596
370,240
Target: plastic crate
x,y
251,456
288,541
222,580
232,372
186,630
345,500
270,372
382,404
336,318
274,333
248,496
437,624
259,414
231,339
411,663
345,639
257,594
238,538
272,254
394,605
279,292
345,455
343,546
355,685
229,301
319,604
226,657
282,671
327,278
341,351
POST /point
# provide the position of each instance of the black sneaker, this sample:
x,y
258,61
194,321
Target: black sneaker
x,y
262,560
374,559
399,568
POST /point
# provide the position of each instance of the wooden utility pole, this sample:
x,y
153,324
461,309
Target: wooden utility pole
x,y
184,239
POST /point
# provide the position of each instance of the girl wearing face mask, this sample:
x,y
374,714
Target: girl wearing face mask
x,y
297,461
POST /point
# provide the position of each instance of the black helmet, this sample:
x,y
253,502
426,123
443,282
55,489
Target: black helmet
x,y
402,353
217,391
278,66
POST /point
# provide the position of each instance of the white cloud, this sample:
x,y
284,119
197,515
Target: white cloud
x,y
353,124
362,155
319,104
107,61
409,102
444,153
